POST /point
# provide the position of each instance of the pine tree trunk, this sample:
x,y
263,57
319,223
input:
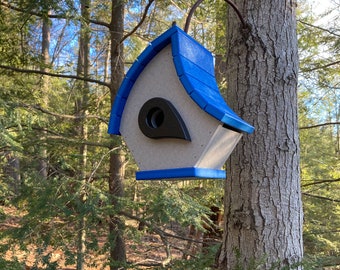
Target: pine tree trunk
x,y
82,130
45,46
116,225
263,211
117,158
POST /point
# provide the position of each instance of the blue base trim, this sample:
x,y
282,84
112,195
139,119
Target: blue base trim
x,y
190,172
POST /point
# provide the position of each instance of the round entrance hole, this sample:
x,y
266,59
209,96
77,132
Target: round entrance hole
x,y
155,117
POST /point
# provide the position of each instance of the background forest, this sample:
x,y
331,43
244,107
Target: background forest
x,y
68,193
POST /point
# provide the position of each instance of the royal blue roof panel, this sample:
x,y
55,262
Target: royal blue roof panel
x,y
186,67
189,48
195,68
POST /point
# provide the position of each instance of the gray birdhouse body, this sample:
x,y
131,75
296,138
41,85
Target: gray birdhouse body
x,y
171,114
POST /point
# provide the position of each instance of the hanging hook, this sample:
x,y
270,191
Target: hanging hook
x,y
198,2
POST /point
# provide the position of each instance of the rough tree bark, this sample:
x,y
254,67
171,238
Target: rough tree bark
x,y
263,211
117,158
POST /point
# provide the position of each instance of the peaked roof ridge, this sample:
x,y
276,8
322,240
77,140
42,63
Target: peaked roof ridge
x,y
193,61
195,68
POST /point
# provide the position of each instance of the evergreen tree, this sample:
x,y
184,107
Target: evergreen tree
x,y
319,132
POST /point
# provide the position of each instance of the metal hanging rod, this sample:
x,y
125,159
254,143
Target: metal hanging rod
x,y
198,2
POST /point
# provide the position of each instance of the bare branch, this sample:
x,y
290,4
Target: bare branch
x,y
320,125
32,71
51,16
145,13
320,197
323,232
318,27
321,182
100,161
53,135
99,23
321,67
158,230
75,141
65,116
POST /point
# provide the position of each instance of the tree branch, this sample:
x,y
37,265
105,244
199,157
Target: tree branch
x,y
318,27
322,232
65,116
320,197
75,141
51,16
321,67
59,137
156,229
145,13
57,16
32,71
320,125
321,182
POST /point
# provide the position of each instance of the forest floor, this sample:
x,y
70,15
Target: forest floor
x,y
147,253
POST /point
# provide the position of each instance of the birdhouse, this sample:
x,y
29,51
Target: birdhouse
x,y
171,114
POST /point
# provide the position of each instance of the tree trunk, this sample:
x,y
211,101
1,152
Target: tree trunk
x,y
12,171
82,130
45,46
117,158
220,44
263,210
116,225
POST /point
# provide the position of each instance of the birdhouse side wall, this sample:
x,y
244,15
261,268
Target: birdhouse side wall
x,y
219,148
159,79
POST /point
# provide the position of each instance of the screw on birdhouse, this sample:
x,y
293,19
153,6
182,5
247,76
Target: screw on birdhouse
x,y
198,2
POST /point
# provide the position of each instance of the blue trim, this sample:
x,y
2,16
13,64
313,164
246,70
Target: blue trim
x,y
195,68
136,69
181,173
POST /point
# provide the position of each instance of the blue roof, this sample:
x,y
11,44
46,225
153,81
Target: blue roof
x,y
195,68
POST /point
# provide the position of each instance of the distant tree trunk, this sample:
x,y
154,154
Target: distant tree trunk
x,y
220,44
337,128
117,158
263,210
45,46
82,130
12,171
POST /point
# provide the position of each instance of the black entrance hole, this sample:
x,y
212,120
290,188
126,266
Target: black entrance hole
x,y
155,117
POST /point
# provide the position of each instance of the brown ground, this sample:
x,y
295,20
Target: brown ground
x,y
149,251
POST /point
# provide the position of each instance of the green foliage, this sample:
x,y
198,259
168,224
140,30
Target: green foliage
x,y
320,161
167,202
37,114
10,265
203,261
319,262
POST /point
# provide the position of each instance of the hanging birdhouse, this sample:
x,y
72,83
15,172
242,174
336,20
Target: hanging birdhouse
x,y
171,114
